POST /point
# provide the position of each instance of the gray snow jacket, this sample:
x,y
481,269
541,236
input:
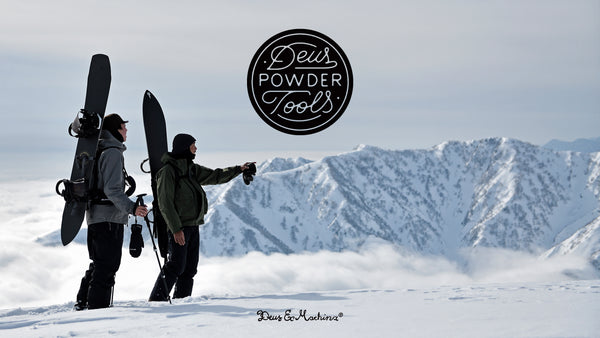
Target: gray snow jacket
x,y
111,180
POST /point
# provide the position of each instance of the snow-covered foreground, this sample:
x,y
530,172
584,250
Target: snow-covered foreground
x,y
378,291
568,309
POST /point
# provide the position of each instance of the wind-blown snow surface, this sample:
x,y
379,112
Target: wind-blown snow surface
x,y
567,309
484,238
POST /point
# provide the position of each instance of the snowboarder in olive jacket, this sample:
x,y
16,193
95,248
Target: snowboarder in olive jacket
x,y
183,204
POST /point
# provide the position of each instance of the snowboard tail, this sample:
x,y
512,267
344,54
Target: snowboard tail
x,y
86,128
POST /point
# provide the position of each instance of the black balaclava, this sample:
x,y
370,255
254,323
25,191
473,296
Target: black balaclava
x,y
112,123
181,146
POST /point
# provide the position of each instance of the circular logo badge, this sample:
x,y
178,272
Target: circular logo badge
x,y
300,82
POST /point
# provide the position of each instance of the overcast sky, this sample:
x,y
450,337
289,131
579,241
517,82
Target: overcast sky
x,y
424,71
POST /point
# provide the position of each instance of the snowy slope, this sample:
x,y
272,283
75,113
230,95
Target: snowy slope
x,y
567,309
415,243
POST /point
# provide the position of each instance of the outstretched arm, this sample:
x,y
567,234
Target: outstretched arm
x,y
208,176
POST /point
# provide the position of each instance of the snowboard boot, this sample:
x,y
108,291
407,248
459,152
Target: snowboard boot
x,y
101,290
82,294
80,306
99,298
183,288
158,293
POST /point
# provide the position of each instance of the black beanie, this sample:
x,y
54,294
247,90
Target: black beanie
x,y
181,145
112,123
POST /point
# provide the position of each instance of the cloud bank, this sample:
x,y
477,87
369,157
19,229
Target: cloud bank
x,y
33,274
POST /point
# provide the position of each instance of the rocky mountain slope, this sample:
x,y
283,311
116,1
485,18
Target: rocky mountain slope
x,y
495,192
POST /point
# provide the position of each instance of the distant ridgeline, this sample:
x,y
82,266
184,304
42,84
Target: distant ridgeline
x,y
496,192
580,145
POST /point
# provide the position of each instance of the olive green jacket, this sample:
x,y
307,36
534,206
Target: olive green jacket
x,y
181,199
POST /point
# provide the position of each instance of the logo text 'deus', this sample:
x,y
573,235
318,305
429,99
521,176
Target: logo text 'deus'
x,y
300,82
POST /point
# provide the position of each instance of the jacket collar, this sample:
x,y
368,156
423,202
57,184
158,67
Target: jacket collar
x,y
107,140
181,164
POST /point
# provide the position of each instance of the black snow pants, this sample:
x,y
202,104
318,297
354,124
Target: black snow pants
x,y
181,267
105,242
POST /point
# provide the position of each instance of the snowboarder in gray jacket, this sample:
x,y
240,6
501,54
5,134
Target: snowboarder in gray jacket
x,y
106,217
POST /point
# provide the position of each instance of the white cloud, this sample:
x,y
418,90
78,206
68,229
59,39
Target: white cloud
x,y
34,275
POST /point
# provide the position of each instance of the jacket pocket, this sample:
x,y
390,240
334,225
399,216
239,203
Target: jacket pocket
x,y
186,203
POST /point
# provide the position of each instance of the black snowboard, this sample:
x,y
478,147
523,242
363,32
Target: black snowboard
x,y
98,86
156,140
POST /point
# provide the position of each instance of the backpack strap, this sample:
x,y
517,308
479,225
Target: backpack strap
x,y
97,195
178,176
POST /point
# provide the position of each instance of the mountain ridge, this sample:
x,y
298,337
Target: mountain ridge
x,y
495,192
583,145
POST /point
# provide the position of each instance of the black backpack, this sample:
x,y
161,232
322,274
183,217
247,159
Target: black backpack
x,y
82,190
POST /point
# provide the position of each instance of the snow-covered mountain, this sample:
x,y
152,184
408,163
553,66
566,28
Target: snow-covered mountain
x,y
497,192
494,192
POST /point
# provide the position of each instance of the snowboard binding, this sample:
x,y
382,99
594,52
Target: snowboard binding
x,y
142,166
85,126
130,184
76,190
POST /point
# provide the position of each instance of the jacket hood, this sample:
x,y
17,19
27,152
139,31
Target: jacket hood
x,y
107,140
182,164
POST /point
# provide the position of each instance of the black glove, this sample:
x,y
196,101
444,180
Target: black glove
x,y
248,173
136,243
